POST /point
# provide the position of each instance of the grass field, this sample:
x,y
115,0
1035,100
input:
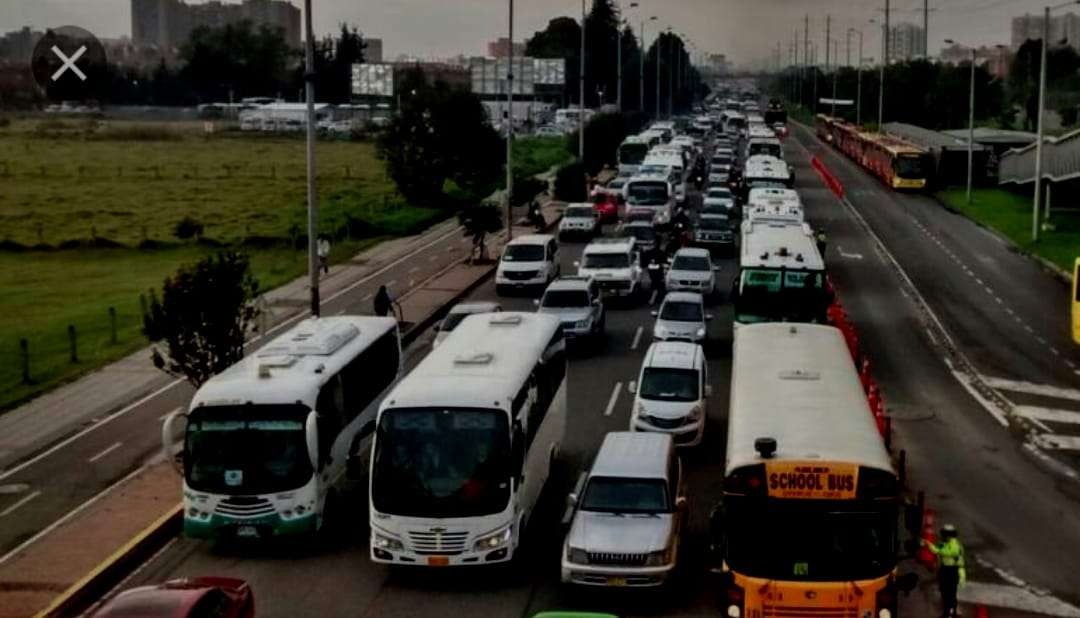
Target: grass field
x,y
1010,214
536,155
128,183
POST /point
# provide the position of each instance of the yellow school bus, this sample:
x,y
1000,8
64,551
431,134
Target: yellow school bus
x,y
810,513
1076,302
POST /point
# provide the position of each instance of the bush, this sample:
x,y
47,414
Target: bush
x,y
570,183
603,135
526,188
188,228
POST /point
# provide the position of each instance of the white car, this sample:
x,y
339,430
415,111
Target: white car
x,y
615,265
528,262
458,313
691,270
719,196
578,220
672,391
681,317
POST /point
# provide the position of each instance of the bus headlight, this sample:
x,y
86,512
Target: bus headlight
x,y
492,541
384,542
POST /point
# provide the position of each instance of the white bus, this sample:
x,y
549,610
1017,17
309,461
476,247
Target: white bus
x,y
781,275
466,441
267,439
631,153
811,502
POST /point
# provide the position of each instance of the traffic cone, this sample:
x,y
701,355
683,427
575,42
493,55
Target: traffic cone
x,y
981,612
929,537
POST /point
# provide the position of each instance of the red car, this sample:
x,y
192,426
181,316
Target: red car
x,y
184,598
606,206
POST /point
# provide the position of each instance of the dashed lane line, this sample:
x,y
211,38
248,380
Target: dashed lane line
x,y
22,501
613,400
637,337
105,452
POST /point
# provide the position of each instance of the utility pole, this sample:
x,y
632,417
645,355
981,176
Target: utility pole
x,y
1039,131
618,61
926,29
828,41
510,128
581,91
671,75
312,197
641,70
847,39
834,75
798,69
806,46
884,64
659,37
971,126
813,67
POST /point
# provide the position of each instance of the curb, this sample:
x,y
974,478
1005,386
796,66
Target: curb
x,y
115,568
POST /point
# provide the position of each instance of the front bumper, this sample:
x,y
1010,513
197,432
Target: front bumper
x,y
615,287
615,576
686,285
688,433
274,525
467,558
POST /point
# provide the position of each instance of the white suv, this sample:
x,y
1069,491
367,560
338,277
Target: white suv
x,y
528,262
614,264
691,270
578,220
672,391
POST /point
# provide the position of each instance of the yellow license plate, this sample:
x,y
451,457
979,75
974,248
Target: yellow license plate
x,y
438,561
616,581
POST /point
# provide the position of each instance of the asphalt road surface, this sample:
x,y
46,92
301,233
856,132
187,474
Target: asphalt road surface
x,y
1014,517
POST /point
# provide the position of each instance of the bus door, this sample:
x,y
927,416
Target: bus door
x,y
1076,302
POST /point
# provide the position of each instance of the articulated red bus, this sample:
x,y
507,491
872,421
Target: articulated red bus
x,y
898,163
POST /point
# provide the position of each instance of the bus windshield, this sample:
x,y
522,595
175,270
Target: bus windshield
x,y
823,541
769,295
251,449
909,167
633,153
441,462
647,193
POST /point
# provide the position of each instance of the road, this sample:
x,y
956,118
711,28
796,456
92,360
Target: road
x,y
1015,519
67,474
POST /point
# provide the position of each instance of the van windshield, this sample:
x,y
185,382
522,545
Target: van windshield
x,y
524,253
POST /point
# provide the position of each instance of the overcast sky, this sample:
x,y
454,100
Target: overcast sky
x,y
746,30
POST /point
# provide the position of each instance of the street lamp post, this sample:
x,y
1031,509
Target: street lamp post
x,y
971,120
1036,204
658,40
641,67
312,198
510,126
581,90
671,74
858,79
618,50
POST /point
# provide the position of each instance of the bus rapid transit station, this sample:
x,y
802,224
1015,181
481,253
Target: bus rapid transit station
x,y
465,443
267,440
810,514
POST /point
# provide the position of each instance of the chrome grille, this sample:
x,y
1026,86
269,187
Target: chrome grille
x,y
443,543
612,559
244,508
788,611
520,275
665,423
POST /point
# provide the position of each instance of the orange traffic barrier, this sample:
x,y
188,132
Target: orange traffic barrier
x,y
929,537
864,374
873,397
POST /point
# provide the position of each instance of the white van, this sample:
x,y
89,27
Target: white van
x,y
615,265
672,391
528,262
652,191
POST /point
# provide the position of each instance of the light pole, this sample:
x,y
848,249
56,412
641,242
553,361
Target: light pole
x,y
971,120
618,50
1036,204
510,127
312,198
858,79
641,67
659,38
670,73
581,90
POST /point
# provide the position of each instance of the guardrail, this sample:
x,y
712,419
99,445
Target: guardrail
x,y
1061,161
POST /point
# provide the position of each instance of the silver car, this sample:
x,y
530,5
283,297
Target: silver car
x,y
627,514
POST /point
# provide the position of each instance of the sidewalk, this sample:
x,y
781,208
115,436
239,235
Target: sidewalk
x,y
73,406
33,577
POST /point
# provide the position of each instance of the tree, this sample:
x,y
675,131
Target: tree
x,y
199,324
561,39
236,59
479,221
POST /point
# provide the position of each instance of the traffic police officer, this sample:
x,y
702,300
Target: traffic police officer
x,y
951,574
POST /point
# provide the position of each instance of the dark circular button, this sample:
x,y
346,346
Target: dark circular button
x,y
69,64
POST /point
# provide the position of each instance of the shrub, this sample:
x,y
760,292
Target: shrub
x,y
188,228
526,188
570,183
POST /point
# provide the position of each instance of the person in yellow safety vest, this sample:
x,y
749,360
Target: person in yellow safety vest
x,y
951,573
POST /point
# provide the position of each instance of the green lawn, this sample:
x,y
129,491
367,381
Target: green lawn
x,y
536,155
131,182
1010,214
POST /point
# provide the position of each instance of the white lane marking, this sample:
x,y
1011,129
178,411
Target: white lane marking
x,y
342,312
390,283
988,290
997,299
1016,598
1028,328
1041,339
27,498
412,270
1052,415
637,337
366,298
68,516
1057,442
1031,388
987,405
1070,364
433,258
1009,311
652,299
1055,351
166,415
979,281
849,256
614,399
105,452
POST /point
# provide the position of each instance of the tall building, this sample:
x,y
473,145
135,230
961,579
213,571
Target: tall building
x,y
500,48
906,41
1062,28
18,45
994,58
168,23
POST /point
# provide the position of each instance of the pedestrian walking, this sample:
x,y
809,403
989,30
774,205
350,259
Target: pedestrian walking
x,y
951,572
383,302
822,242
322,247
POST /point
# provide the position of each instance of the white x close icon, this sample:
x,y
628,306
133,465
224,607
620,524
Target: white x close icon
x,y
69,63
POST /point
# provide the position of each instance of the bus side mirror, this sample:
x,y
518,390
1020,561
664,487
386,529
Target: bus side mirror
x,y
169,443
311,438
